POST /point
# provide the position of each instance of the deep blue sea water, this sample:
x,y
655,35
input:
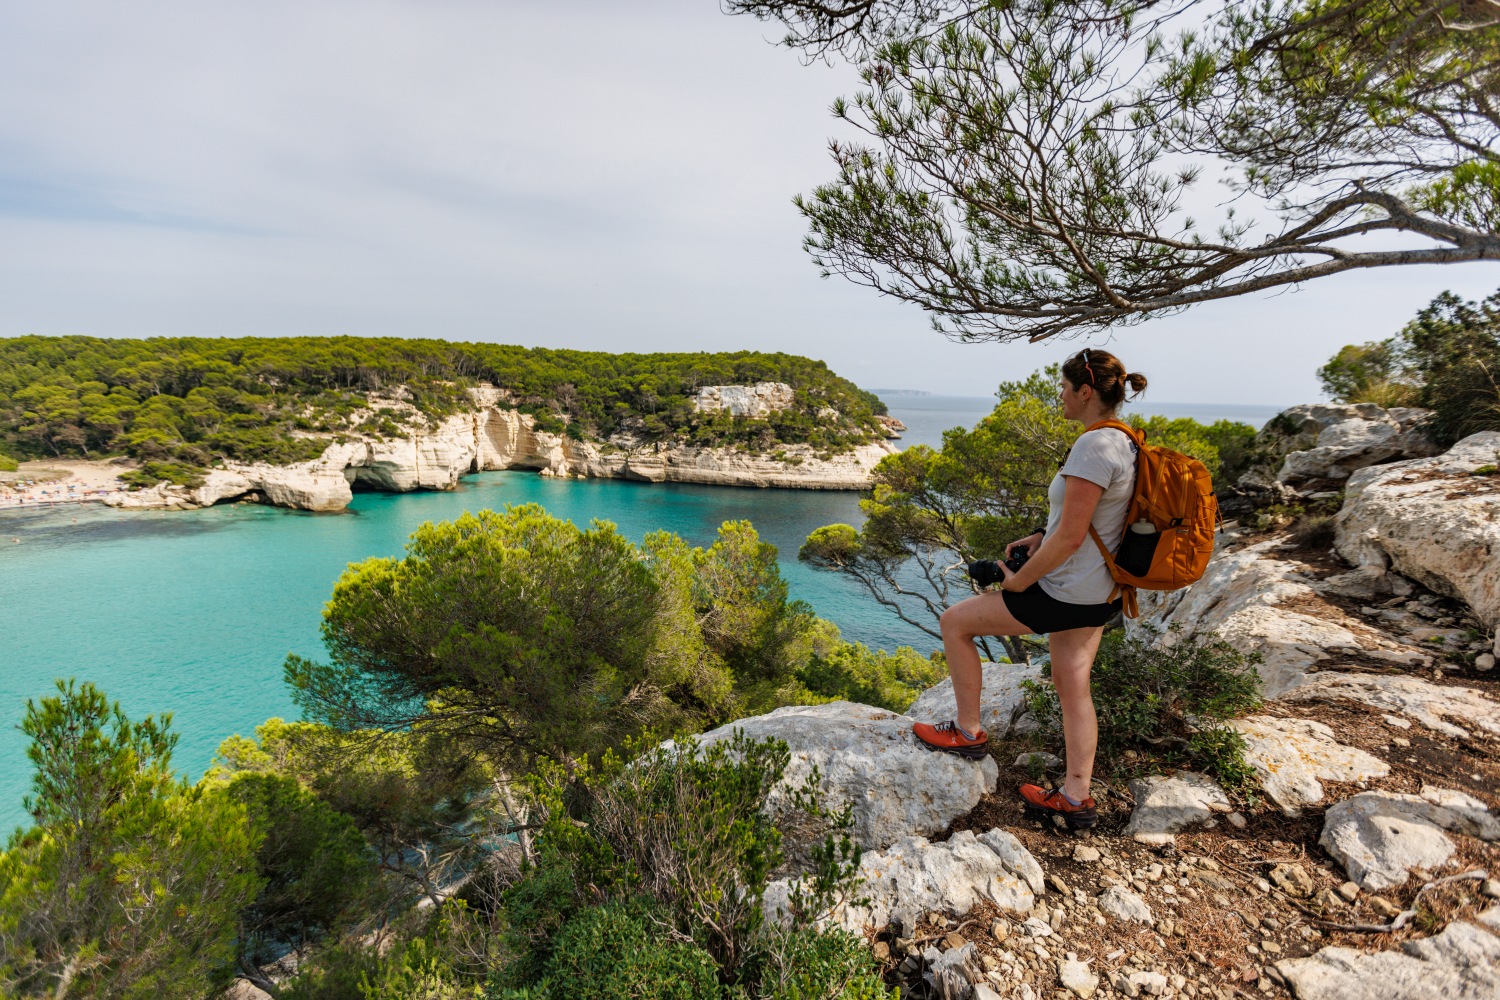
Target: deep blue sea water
x,y
194,613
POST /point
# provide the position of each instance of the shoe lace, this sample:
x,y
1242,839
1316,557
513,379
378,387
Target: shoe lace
x,y
951,726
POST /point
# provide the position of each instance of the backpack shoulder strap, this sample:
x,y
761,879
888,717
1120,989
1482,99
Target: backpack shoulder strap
x,y
1138,437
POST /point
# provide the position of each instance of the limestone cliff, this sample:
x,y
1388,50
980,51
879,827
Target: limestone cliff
x,y
492,436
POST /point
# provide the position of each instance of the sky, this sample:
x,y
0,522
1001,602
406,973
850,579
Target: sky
x,y
591,175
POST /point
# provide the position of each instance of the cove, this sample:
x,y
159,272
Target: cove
x,y
194,612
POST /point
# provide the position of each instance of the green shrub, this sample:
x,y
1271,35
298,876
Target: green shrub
x,y
679,838
8,464
1446,358
1165,696
620,951
854,672
809,965
152,473
1313,531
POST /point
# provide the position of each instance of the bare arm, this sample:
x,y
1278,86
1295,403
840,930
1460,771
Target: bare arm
x,y
1080,500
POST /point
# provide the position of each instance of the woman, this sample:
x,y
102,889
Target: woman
x,y
1063,590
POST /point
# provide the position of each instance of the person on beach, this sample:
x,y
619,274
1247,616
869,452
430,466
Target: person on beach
x,y
1062,591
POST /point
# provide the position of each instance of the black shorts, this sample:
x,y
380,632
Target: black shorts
x,y
1043,613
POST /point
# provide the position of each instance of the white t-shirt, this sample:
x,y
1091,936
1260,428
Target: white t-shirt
x,y
1105,457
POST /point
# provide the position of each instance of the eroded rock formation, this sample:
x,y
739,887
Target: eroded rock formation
x,y
494,436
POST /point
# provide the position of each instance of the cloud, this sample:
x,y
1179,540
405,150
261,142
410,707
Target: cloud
x,y
593,175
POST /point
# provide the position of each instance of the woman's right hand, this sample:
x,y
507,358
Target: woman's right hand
x,y
1031,541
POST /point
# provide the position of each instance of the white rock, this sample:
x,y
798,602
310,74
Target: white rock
x,y
1290,756
758,400
1491,917
1461,963
1402,516
1036,927
1075,976
1001,700
914,877
1380,836
1150,983
954,970
1435,706
1168,805
1484,662
869,757
1343,447
1250,597
983,992
1125,905
1015,857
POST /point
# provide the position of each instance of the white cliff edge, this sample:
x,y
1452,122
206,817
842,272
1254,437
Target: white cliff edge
x,y
492,437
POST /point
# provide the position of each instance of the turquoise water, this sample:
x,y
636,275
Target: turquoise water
x,y
194,612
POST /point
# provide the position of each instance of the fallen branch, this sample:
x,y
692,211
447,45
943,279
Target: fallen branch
x,y
1400,920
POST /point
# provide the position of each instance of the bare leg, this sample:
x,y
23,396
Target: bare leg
x,y
1072,659
982,614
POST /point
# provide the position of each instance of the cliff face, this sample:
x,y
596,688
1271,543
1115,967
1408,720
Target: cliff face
x,y
491,437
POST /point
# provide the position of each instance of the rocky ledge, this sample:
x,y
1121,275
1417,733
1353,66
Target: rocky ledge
x,y
1366,867
493,436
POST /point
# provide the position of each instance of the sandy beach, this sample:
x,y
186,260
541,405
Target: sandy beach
x,y
58,481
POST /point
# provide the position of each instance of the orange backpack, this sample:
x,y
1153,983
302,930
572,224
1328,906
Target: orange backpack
x,y
1175,495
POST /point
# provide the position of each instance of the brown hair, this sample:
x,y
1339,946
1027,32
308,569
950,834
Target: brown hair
x,y
1105,373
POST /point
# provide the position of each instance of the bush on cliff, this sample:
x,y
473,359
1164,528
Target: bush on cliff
x,y
1447,358
515,636
131,882
1164,698
660,863
8,464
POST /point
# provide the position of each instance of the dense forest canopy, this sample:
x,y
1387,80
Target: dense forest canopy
x,y
281,399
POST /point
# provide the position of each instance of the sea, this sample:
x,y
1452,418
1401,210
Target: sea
x,y
194,613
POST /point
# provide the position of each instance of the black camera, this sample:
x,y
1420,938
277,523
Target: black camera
x,y
987,571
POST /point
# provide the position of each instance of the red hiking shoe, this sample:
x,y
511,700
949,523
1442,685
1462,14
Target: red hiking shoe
x,y
1051,802
946,736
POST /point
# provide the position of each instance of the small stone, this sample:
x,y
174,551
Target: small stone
x,y
1400,741
954,940
906,946
1484,662
1293,880
1178,981
1397,721
1349,891
1037,928
1237,820
1123,985
1058,885
1000,930
983,992
1270,947
1125,905
1491,888
937,920
1039,759
1154,873
1075,976
1384,906
1262,885
990,962
1151,983
1085,854
1166,926
881,951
